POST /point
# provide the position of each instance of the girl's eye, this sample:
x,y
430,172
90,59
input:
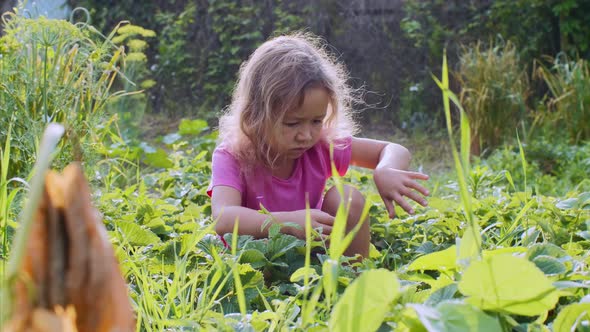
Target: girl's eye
x,y
317,122
290,124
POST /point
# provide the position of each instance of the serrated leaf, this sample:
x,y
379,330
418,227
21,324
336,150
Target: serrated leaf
x,y
280,244
136,235
362,306
253,257
508,283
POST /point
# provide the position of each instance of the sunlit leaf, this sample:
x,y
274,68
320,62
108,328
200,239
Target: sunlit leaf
x,y
443,260
302,272
192,127
136,235
571,316
508,283
363,306
158,159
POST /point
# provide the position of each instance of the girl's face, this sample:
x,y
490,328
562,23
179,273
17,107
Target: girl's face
x,y
302,127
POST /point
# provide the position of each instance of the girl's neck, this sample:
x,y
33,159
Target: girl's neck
x,y
284,168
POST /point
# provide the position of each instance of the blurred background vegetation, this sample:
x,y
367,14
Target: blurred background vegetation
x,y
391,47
518,65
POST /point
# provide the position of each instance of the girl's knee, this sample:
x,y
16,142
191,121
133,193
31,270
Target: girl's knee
x,y
353,198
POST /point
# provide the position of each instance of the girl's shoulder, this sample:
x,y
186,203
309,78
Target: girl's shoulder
x,y
339,143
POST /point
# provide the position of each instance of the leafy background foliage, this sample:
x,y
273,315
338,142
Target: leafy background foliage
x,y
523,204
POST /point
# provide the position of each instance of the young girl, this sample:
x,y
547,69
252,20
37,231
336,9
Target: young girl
x,y
290,103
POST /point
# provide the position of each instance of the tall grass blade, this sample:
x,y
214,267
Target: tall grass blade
x,y
236,271
51,137
471,243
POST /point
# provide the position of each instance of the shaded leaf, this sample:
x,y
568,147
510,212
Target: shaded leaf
x,y
454,316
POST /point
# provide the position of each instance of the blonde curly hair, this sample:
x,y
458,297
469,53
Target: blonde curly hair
x,y
273,81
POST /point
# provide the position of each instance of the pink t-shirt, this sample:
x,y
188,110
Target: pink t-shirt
x,y
309,177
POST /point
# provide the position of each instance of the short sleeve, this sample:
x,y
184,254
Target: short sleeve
x,y
342,154
225,171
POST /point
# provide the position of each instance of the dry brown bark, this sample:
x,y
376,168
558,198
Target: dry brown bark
x,y
69,279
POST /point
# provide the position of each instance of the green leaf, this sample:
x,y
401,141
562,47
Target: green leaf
x,y
567,204
571,316
192,127
455,316
280,244
362,306
545,249
253,257
442,294
301,272
444,260
158,159
136,235
549,265
508,283
171,138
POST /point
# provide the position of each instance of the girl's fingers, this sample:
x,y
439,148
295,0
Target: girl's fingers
x,y
399,199
325,228
389,206
417,186
415,197
323,218
419,176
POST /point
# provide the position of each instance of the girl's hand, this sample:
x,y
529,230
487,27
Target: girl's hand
x,y
319,219
394,184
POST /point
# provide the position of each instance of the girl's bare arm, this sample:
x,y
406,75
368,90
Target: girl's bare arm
x,y
226,209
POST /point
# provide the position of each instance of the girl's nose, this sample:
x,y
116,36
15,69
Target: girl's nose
x,y
304,134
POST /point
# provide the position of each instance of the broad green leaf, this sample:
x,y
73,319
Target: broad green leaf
x,y
442,294
508,283
503,251
443,260
455,316
253,257
158,159
549,265
567,204
192,127
363,305
545,249
136,235
571,316
301,272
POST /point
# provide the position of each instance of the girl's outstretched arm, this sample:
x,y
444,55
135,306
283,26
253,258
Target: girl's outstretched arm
x,y
390,162
226,209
